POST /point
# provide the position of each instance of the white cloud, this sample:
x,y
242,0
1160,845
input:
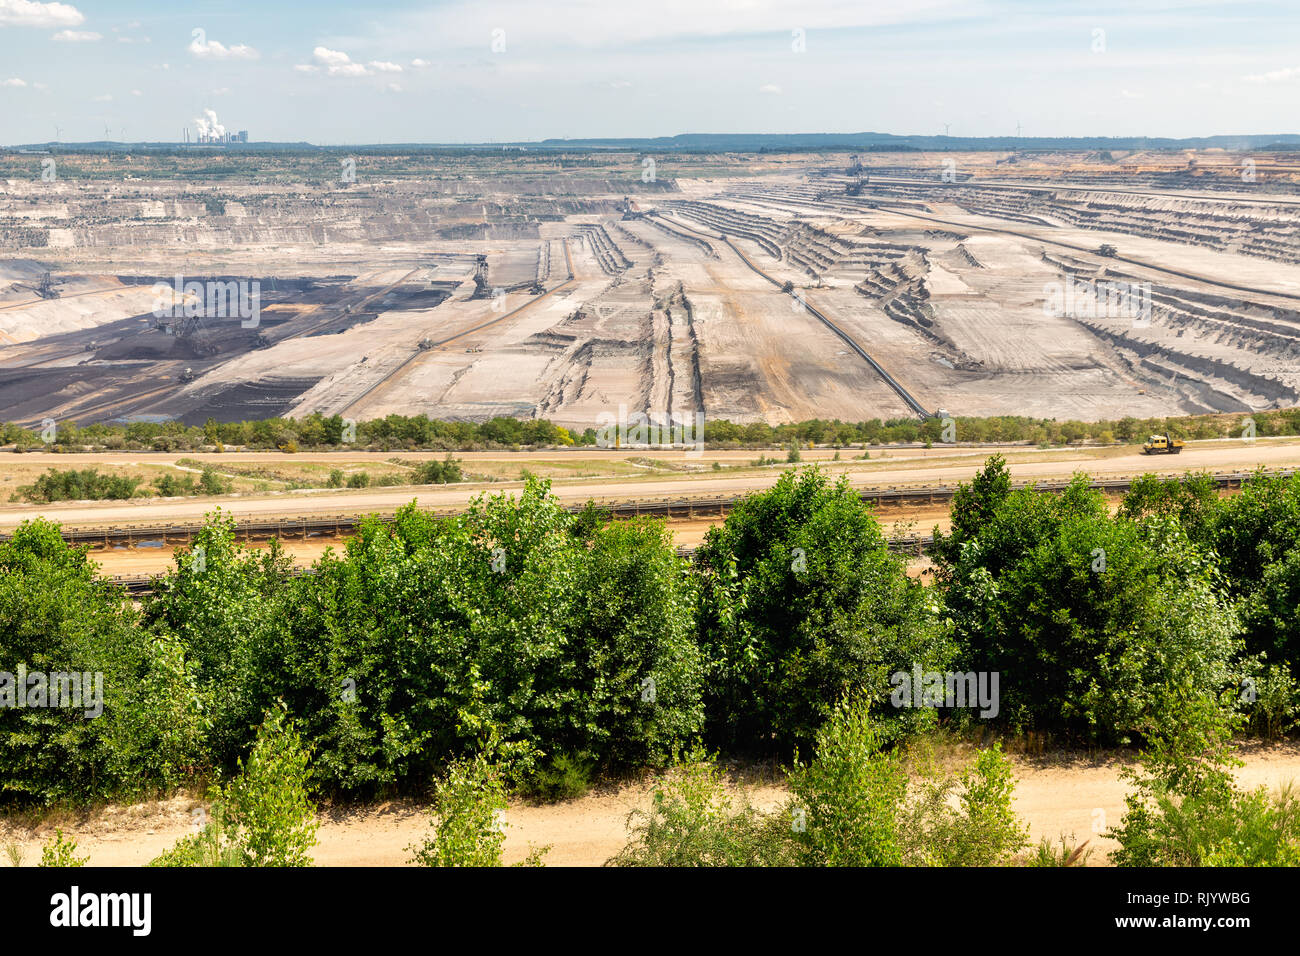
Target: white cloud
x,y
1274,76
418,64
77,36
207,49
338,63
103,98
134,40
25,13
770,88
13,81
331,57
305,68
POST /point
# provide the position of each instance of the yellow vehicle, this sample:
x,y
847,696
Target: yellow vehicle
x,y
1162,445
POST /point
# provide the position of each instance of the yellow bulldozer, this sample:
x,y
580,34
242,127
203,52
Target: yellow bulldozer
x,y
1162,445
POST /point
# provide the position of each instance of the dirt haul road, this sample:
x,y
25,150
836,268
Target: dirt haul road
x,y
1054,796
1213,456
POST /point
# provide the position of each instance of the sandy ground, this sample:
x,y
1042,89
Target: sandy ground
x,y
1216,456
1080,797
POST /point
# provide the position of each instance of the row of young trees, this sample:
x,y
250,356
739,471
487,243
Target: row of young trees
x,y
553,639
420,432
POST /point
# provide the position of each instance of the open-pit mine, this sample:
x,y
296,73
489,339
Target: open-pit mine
x,y
469,284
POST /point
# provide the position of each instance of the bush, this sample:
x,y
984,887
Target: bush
x,y
982,830
61,852
1069,853
500,620
1186,809
359,479
174,486
801,601
85,485
1256,528
1193,500
693,821
226,605
137,723
1088,620
565,777
438,472
848,799
850,806
469,825
211,483
263,817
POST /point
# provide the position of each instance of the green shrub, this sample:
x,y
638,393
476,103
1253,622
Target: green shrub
x,y
263,817
981,830
137,723
852,805
211,483
216,844
1192,499
800,601
1186,809
498,620
61,852
694,821
1087,619
359,479
564,777
226,605
1271,699
1068,853
438,472
468,818
85,485
174,486
849,797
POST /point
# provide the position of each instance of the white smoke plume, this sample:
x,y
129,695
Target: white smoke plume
x,y
209,126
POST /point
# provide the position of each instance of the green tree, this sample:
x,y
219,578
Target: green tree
x,y
227,606
130,721
801,601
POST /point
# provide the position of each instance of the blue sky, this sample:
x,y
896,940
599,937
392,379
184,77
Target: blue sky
x,y
372,71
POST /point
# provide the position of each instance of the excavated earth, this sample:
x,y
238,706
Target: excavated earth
x,y
1060,286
